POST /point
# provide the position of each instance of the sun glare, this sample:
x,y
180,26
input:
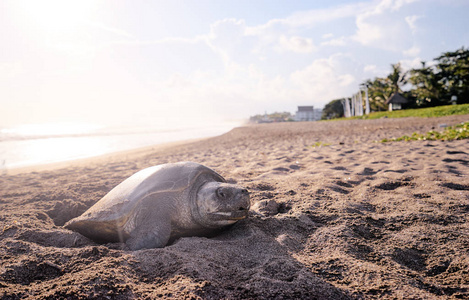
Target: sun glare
x,y
50,19
40,151
52,129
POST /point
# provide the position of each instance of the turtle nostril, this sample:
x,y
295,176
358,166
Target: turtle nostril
x,y
242,208
244,191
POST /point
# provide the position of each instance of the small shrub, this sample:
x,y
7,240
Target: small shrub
x,y
458,132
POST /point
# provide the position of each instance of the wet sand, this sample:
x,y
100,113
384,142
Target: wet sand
x,y
350,219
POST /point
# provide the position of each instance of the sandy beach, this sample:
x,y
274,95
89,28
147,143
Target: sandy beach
x,y
335,215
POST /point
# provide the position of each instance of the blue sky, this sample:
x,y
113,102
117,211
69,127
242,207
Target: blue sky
x,y
167,63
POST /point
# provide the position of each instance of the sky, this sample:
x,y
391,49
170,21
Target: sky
x,y
173,63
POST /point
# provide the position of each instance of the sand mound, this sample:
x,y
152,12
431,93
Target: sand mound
x,y
352,219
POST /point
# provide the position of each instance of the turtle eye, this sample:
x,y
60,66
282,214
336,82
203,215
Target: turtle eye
x,y
221,193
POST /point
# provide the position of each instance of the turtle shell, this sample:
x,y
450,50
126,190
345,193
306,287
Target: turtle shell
x,y
114,209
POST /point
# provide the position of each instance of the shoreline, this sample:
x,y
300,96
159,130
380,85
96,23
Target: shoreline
x,y
38,153
99,159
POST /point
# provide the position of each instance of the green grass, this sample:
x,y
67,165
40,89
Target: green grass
x,y
320,144
457,132
438,111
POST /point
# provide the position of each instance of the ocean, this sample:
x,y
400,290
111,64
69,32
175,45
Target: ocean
x,y
37,144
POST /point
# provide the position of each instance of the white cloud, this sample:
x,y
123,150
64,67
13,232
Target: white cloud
x,y
224,35
297,44
392,5
227,29
379,24
318,16
369,68
367,33
397,4
116,31
341,41
411,21
383,26
346,80
270,32
413,51
169,40
323,80
242,90
373,70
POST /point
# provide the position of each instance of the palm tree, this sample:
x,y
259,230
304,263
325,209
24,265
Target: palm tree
x,y
397,78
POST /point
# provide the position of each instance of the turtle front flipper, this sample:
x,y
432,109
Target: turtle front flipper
x,y
153,233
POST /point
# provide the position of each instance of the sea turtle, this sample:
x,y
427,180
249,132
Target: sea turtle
x,y
161,203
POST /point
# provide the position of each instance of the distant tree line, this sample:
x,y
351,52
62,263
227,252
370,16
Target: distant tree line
x,y
273,117
432,84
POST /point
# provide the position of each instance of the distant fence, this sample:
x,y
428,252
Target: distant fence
x,y
354,106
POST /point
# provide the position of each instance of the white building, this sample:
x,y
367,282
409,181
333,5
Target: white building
x,y
308,113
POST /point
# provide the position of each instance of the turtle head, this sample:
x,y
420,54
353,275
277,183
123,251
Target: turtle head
x,y
220,204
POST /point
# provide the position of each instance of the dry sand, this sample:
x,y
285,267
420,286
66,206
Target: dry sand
x,y
355,219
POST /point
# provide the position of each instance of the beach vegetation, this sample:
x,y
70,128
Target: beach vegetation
x,y
273,117
333,110
457,132
429,112
320,144
379,90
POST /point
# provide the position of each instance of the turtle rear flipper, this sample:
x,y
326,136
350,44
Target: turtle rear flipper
x,y
99,231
